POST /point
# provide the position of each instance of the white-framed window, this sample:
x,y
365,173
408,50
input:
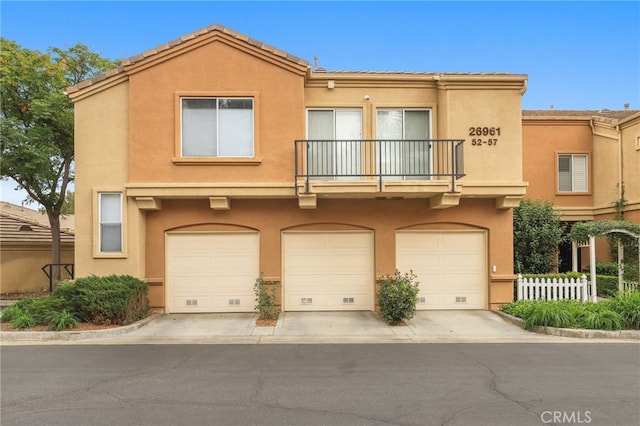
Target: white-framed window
x,y
573,172
411,158
110,219
335,150
217,127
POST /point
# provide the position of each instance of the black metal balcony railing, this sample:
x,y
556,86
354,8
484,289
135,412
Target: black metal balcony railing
x,y
428,159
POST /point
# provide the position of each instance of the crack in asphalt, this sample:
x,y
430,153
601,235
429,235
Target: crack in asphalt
x,y
493,386
260,388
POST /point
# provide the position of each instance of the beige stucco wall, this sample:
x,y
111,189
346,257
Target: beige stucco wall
x,y
458,104
21,267
606,167
102,164
630,132
542,141
127,139
215,69
469,108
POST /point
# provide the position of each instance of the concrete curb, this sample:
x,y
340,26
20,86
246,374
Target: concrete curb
x,y
18,336
580,333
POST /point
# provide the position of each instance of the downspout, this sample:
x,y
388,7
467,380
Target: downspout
x,y
621,169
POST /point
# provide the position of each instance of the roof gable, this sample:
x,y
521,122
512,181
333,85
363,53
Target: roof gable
x,y
210,34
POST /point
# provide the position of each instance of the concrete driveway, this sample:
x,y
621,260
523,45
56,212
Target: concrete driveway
x,y
323,327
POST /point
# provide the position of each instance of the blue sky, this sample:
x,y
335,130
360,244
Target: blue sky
x,y
577,54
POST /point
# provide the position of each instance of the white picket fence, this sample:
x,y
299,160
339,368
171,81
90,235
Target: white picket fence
x,y
630,286
553,289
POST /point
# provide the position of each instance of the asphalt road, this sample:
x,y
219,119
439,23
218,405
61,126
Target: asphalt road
x,y
368,384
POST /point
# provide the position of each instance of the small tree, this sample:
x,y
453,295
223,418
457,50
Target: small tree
x,y
537,233
36,122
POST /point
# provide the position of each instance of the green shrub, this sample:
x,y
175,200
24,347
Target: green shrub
x,y
627,304
617,314
63,320
598,316
40,309
574,275
551,314
397,296
266,300
10,313
537,233
114,299
607,286
521,308
23,320
604,268
631,270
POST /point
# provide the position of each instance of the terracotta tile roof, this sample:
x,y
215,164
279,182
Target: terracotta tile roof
x,y
16,230
604,115
322,70
30,216
172,44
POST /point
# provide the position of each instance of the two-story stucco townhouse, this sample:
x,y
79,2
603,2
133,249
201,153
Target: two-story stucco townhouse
x,y
206,162
585,163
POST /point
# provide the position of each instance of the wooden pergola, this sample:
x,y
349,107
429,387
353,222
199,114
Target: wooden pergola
x,y
585,233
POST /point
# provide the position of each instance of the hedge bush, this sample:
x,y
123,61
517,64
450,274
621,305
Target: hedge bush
x,y
621,312
114,299
397,296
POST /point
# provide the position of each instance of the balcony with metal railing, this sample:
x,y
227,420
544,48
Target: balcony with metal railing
x,y
380,168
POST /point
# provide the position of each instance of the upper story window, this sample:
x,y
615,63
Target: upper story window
x,y
572,173
217,127
110,218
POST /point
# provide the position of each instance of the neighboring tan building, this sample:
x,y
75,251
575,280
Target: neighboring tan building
x,y
206,162
25,248
584,162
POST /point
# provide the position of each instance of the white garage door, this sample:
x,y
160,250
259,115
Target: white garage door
x,y
451,267
212,272
328,271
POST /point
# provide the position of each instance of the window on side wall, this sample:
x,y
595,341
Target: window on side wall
x,y
572,173
110,218
217,127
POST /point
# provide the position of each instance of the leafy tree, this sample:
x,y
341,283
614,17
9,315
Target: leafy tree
x,y
537,233
36,121
68,205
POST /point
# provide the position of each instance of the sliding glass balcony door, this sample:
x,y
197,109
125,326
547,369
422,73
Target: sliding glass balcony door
x,y
334,151
407,155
